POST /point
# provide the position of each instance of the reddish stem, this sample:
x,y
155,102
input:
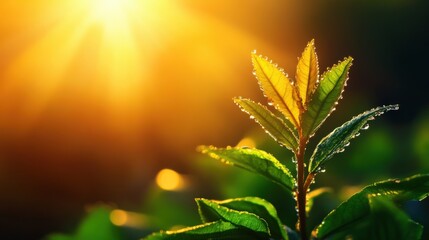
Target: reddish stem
x,y
302,191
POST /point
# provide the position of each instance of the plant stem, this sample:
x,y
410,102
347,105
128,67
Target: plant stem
x,y
302,192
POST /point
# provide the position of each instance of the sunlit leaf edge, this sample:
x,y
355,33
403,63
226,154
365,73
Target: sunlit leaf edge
x,y
208,208
258,206
216,230
278,174
273,125
325,97
280,91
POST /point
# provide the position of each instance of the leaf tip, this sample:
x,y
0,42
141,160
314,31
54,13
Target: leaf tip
x,y
203,148
237,99
348,60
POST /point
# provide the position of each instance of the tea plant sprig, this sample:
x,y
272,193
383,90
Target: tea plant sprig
x,y
299,108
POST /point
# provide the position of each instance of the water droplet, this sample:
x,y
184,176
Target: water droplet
x,y
365,127
397,181
340,150
357,134
270,103
347,144
254,51
252,117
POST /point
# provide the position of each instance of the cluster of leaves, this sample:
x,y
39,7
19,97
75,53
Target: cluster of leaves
x,y
299,108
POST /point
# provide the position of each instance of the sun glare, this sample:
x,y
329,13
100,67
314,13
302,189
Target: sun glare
x,y
110,12
110,55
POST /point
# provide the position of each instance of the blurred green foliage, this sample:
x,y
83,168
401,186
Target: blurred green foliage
x,y
96,225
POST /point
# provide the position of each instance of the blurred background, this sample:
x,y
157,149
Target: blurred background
x,y
103,102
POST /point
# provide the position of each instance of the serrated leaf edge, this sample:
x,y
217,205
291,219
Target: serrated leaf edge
x,y
338,149
291,145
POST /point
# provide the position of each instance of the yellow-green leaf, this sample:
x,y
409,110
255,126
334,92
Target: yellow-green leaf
x,y
325,97
277,87
274,126
307,73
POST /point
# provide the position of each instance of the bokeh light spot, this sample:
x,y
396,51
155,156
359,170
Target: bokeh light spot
x,y
170,180
118,217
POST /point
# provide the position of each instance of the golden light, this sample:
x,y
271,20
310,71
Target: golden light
x,y
130,219
247,142
116,68
118,217
170,180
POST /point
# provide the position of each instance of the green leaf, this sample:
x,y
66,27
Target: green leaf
x,y
325,97
212,211
213,230
253,205
253,160
272,124
357,209
390,222
277,87
338,139
307,73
